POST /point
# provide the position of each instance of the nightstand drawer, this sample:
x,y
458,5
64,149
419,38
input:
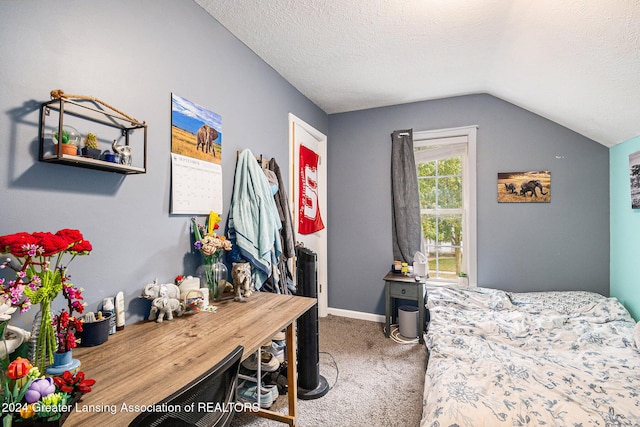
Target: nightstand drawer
x,y
402,290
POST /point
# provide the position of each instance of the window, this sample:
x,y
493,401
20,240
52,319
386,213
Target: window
x,y
445,163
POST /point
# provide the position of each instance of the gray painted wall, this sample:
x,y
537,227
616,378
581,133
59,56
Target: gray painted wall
x,y
133,55
563,245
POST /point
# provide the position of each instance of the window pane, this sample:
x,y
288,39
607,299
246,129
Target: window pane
x,y
450,229
427,169
450,166
442,229
442,263
443,236
427,189
429,228
450,193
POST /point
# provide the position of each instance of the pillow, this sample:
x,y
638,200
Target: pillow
x,y
636,335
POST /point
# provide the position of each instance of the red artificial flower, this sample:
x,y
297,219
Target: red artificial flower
x,y
81,248
78,325
51,243
18,368
71,236
15,243
69,382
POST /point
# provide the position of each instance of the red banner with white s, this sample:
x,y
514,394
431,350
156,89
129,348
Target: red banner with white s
x,y
309,220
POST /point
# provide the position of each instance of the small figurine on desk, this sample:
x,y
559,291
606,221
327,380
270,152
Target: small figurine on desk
x,y
241,276
161,307
154,290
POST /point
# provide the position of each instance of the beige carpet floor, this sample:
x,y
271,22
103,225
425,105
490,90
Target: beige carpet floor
x,y
379,382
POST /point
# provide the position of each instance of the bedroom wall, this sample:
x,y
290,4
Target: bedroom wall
x,y
132,55
625,226
562,245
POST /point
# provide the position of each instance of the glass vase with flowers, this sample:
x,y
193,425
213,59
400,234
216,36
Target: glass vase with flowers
x,y
41,275
213,272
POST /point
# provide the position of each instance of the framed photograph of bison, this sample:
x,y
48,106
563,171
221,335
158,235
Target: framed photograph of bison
x,y
524,187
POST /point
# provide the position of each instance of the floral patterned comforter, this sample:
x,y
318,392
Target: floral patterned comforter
x,y
506,359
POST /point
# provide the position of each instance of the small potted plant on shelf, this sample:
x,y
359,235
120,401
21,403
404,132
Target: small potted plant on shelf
x,y
69,140
90,148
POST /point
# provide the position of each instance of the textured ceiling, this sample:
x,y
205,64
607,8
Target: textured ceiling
x,y
576,62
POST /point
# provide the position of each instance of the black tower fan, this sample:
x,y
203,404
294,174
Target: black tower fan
x,y
311,385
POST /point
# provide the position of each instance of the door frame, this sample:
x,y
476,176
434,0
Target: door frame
x,y
323,283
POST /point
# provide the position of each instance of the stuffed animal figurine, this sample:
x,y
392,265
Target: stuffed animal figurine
x,y
241,276
161,307
154,290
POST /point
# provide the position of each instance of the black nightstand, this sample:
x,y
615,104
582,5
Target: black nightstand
x,y
407,288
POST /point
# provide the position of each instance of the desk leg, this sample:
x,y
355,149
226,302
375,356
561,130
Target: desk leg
x,y
292,383
387,310
292,372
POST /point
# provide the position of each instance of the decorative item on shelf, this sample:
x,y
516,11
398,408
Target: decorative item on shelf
x,y
90,148
31,399
39,281
124,151
108,156
67,140
213,273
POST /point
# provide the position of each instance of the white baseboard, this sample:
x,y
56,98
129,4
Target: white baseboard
x,y
356,315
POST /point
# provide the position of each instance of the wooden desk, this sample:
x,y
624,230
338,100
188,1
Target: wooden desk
x,y
149,361
404,287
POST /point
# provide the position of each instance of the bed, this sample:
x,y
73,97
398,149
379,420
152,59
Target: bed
x,y
529,359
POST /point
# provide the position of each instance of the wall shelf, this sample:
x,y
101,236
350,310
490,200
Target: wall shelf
x,y
109,126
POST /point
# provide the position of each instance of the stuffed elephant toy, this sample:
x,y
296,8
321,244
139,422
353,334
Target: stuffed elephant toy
x,y
161,307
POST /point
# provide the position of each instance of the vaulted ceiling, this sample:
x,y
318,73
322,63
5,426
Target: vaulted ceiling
x,y
576,62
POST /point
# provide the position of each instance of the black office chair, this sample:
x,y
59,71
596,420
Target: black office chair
x,y
212,393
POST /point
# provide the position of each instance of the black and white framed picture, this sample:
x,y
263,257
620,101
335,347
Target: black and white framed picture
x,y
524,187
634,175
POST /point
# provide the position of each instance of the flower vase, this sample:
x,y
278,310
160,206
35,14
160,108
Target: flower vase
x,y
42,344
215,275
63,362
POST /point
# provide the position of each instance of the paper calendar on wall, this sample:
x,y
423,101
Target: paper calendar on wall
x,y
196,158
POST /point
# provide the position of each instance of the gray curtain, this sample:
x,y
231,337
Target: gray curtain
x,y
405,197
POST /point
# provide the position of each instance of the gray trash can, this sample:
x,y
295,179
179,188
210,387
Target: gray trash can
x,y
408,321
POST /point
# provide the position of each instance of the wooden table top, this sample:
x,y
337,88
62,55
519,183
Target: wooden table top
x,y
148,361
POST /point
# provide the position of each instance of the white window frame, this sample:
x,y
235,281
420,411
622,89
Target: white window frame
x,y
469,237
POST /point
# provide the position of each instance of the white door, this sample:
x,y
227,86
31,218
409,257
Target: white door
x,y
300,133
